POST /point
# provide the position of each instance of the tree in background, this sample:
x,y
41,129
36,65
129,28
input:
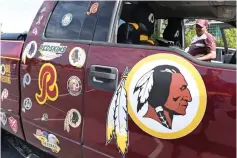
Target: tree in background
x,y
231,37
155,35
190,32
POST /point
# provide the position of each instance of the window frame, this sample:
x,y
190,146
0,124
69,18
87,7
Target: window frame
x,y
112,36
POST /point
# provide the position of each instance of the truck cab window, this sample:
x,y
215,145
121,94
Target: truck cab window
x,y
67,20
141,24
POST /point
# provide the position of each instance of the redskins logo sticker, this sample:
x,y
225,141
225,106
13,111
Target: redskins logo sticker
x,y
26,80
47,82
74,86
67,19
93,9
164,95
77,57
49,51
72,119
29,51
4,94
27,104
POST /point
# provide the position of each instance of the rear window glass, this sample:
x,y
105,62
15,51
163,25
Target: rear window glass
x,y
67,20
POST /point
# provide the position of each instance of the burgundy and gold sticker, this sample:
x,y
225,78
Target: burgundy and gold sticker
x,y
93,9
47,83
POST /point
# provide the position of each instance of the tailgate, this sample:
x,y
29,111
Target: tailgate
x,y
10,91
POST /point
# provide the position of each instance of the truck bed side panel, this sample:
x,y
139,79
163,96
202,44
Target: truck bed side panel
x,y
10,94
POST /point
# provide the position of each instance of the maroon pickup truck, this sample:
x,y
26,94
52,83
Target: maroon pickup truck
x,y
88,81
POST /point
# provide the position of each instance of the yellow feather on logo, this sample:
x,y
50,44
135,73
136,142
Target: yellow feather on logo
x,y
122,142
109,131
117,117
110,120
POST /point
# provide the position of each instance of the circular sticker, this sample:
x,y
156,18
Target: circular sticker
x,y
27,104
72,119
67,19
151,18
3,69
26,80
45,117
77,57
74,86
93,8
3,118
166,96
29,51
4,94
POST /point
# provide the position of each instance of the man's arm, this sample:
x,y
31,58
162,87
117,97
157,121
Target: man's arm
x,y
211,55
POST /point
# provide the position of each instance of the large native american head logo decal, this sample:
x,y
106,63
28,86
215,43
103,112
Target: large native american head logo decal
x,y
165,92
164,95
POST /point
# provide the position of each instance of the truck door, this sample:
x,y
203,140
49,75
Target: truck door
x,y
105,67
164,92
52,76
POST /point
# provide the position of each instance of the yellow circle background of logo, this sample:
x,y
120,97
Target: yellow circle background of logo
x,y
202,96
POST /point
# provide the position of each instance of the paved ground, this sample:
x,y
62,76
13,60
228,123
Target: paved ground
x,y
7,150
23,149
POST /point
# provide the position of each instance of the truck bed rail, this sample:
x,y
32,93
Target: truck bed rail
x,y
13,36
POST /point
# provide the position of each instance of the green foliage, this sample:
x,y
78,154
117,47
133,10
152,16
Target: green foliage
x,y
189,34
155,35
219,42
231,37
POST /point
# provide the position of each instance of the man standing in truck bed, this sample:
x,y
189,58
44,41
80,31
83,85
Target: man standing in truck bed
x,y
203,45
